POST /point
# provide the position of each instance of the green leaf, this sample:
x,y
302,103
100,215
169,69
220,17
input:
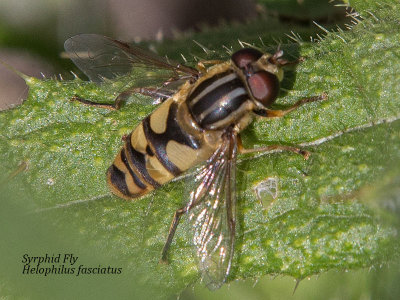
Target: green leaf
x,y
55,152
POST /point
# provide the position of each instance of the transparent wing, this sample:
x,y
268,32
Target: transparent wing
x,y
212,212
101,58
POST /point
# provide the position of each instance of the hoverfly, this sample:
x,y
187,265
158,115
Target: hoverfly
x,y
203,110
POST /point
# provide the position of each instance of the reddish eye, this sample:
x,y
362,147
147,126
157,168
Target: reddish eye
x,y
264,87
244,57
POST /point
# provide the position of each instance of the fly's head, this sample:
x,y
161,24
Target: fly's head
x,y
262,74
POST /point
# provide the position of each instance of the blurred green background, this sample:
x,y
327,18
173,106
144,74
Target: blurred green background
x,y
32,33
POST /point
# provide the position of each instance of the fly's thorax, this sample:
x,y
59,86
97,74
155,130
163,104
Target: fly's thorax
x,y
219,99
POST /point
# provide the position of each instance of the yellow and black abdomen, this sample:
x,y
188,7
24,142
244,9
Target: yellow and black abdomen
x,y
182,132
158,150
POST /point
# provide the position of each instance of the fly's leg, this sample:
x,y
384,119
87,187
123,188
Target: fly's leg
x,y
278,60
153,92
283,62
275,113
161,95
271,148
201,65
174,224
271,113
194,72
210,62
113,106
158,94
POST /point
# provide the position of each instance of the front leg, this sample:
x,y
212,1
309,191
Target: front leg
x,y
275,113
271,113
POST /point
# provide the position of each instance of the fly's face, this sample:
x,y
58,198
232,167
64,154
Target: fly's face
x,y
261,74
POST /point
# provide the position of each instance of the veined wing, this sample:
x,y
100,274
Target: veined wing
x,y
213,213
101,58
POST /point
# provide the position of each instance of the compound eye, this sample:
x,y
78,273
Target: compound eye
x,y
245,56
264,87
